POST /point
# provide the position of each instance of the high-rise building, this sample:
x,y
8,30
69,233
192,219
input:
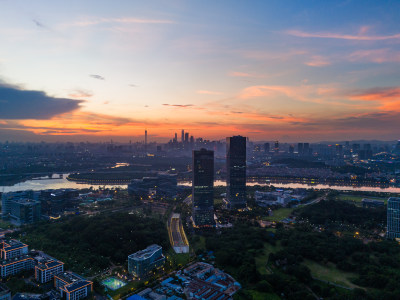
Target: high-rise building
x,y
300,148
183,135
306,149
236,171
276,148
291,149
203,188
393,218
145,140
266,148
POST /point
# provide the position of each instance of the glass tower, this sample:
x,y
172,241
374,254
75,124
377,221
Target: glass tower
x,y
203,188
393,218
236,171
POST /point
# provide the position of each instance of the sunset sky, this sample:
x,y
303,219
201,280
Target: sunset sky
x,y
271,70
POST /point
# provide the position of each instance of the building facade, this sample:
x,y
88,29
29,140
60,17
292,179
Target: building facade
x,y
236,171
47,267
25,211
72,287
393,218
14,258
203,188
141,263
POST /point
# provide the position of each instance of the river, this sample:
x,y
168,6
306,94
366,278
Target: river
x,y
63,183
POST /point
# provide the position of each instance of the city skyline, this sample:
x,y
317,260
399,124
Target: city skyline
x,y
92,71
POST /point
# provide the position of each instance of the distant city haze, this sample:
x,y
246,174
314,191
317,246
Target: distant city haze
x,y
268,70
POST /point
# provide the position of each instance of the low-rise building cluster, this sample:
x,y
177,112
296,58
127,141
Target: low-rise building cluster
x,y
15,258
198,281
279,197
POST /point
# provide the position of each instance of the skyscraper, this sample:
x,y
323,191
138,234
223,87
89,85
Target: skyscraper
x,y
183,135
203,188
236,171
145,140
266,148
276,148
393,218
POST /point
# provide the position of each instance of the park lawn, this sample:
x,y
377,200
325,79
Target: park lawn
x,y
357,198
263,296
279,214
201,244
330,273
129,287
261,260
177,259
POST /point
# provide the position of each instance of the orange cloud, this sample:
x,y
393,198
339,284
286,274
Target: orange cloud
x,y
375,55
318,61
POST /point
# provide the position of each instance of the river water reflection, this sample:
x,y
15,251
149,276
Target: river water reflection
x,y
62,183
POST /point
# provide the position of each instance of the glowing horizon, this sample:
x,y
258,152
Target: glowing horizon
x,y
93,70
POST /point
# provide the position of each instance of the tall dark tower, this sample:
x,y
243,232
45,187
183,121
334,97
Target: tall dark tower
x,y
236,171
145,141
203,188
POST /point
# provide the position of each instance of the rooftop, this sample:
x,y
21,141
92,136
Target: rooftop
x,y
146,253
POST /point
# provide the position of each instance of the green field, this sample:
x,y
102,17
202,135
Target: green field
x,y
261,260
330,273
130,287
177,260
263,296
279,214
357,198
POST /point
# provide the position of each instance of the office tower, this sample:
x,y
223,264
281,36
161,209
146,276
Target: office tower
x,y
183,135
266,148
141,263
145,140
368,150
306,149
236,171
339,150
187,137
393,218
203,188
300,148
291,149
176,137
276,148
397,148
356,147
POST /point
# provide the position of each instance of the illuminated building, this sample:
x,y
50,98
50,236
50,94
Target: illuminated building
x,y
14,258
236,171
393,218
141,263
71,286
47,267
203,188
